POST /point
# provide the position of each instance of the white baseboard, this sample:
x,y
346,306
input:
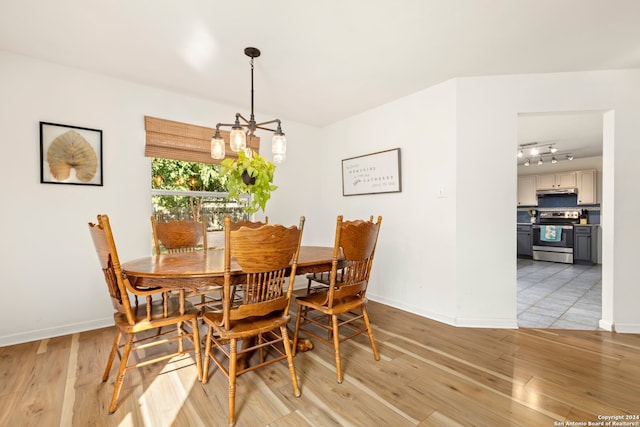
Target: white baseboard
x,y
439,317
57,331
627,328
607,326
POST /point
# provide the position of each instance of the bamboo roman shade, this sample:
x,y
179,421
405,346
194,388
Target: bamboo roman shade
x,y
167,139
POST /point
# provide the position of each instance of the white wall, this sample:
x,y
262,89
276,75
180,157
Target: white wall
x,y
456,260
488,109
451,258
50,274
415,260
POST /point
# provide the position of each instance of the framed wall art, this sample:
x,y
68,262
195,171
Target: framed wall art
x,y
372,173
70,155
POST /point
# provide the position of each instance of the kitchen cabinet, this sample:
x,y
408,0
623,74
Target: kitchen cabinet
x,y
525,241
584,244
553,181
527,190
586,185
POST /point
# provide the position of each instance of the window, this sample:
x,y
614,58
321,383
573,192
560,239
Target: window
x,y
185,180
189,190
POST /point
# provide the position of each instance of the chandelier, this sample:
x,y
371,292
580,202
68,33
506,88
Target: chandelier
x,y
541,152
241,131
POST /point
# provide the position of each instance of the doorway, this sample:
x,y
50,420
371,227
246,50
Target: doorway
x,y
555,294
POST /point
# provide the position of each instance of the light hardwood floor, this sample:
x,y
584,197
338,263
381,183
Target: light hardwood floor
x,y
430,374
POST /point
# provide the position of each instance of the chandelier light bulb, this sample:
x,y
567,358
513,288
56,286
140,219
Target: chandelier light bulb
x,y
533,151
520,153
569,157
554,160
527,162
217,147
552,149
237,139
540,161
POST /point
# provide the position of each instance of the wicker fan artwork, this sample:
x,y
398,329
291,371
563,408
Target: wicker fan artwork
x,y
71,151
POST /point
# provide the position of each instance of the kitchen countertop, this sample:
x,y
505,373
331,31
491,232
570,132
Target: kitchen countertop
x,y
531,223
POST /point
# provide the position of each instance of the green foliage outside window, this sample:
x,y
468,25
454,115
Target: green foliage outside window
x,y
179,175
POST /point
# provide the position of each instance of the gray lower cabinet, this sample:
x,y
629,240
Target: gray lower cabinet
x,y
525,241
584,244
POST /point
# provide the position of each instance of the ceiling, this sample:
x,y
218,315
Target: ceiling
x,y
576,133
322,61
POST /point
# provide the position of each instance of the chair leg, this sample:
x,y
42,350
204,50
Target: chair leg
x,y
292,369
233,356
180,334
336,347
112,355
196,347
121,371
296,330
207,357
365,315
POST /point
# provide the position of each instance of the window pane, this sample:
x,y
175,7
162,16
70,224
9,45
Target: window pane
x,y
187,190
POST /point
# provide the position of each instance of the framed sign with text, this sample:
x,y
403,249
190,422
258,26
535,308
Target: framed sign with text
x,y
372,173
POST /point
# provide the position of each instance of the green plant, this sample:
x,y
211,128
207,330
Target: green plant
x,y
244,168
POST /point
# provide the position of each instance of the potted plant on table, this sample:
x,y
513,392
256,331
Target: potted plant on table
x,y
250,174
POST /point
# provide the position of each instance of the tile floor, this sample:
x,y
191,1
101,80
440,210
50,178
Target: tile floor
x,y
556,295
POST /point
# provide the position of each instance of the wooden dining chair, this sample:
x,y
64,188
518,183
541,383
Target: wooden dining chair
x,y
142,325
179,236
186,236
268,257
319,281
235,225
343,304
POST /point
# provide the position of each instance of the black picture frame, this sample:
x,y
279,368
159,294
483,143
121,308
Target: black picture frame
x,y
70,155
372,173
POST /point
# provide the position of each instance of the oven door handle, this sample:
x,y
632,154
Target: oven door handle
x,y
564,227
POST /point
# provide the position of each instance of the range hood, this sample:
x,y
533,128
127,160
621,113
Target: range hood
x,y
557,191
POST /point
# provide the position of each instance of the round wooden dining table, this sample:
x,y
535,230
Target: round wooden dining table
x,y
206,268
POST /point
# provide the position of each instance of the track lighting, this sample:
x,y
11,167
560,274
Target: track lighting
x,y
541,152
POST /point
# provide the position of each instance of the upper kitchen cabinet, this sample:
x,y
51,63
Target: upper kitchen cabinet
x,y
586,184
527,190
554,181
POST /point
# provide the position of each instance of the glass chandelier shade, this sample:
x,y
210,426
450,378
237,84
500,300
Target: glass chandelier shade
x,y
237,139
217,147
279,146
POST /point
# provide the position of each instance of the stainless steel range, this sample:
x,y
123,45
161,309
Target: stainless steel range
x,y
553,236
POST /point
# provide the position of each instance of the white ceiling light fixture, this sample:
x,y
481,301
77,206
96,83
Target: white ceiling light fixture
x,y
542,152
241,131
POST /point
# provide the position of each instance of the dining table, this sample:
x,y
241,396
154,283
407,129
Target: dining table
x,y
192,270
